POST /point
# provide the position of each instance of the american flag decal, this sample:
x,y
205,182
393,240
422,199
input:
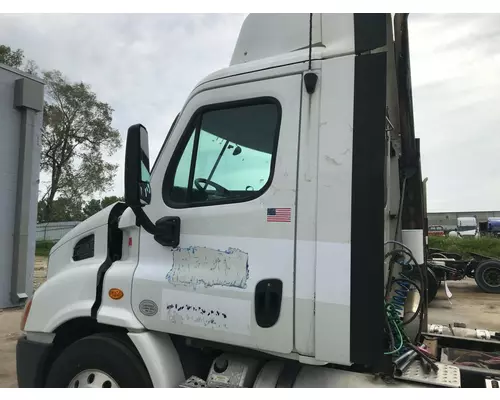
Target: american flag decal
x,y
279,214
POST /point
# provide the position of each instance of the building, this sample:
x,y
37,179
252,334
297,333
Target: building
x,y
21,106
449,219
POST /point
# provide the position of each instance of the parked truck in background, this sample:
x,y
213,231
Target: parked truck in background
x,y
493,226
468,227
242,258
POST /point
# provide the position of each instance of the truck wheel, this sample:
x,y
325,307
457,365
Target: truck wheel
x,y
99,361
487,276
432,285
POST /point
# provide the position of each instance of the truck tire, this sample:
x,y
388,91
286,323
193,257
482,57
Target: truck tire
x,y
432,285
99,360
487,276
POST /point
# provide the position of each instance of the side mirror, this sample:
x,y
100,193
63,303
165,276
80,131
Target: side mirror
x,y
137,174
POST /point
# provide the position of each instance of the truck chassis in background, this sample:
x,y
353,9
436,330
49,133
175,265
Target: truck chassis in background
x,y
448,266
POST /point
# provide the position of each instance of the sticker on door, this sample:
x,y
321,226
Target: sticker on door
x,y
201,266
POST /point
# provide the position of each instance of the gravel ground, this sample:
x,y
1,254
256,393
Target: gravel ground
x,y
469,306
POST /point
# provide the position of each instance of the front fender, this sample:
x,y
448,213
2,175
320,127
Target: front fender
x,y
74,284
160,357
69,294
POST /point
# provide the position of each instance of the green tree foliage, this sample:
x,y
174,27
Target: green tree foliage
x,y
92,207
10,57
77,134
107,201
63,209
69,209
77,137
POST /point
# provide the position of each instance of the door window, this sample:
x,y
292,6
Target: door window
x,y
227,155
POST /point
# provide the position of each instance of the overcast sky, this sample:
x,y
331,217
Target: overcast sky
x,y
144,66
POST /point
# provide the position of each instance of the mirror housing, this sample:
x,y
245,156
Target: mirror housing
x,y
137,173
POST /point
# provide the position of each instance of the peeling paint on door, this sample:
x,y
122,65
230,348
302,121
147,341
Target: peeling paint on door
x,y
201,266
194,315
180,307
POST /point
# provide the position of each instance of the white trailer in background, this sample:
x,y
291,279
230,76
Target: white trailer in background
x,y
21,106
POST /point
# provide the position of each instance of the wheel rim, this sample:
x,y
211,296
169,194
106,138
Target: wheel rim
x,y
491,277
93,378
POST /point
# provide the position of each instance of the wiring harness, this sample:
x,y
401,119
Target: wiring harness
x,y
403,349
394,306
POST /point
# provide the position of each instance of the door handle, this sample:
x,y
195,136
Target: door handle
x,y
168,230
268,297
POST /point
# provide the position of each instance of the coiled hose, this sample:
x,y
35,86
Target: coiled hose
x,y
395,306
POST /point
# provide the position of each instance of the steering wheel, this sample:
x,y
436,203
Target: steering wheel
x,y
218,188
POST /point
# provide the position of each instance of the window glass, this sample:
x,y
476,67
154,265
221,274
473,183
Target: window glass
x,y
233,152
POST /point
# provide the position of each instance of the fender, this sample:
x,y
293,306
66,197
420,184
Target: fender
x,y
73,288
160,357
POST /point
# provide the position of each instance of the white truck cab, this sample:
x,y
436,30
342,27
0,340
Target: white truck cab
x,y
468,227
242,258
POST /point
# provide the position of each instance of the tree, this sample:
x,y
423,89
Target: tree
x,y
92,207
63,209
107,201
76,133
12,58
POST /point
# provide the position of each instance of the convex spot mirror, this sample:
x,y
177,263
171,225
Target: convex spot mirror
x,y
137,173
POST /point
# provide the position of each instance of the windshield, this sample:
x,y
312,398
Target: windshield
x,y
463,228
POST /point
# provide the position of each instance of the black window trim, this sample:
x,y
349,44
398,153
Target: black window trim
x,y
195,122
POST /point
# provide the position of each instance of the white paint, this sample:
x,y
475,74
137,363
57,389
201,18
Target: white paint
x,y
266,35
120,275
414,239
202,266
205,311
160,357
333,234
67,295
90,224
305,262
235,225
333,273
305,275
61,259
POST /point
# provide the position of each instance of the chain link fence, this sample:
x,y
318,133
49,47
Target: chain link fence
x,y
53,231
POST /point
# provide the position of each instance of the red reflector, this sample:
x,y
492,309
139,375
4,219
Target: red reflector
x,y
130,241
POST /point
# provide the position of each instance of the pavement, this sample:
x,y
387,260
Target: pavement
x,y
469,305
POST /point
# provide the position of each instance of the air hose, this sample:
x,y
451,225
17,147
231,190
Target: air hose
x,y
394,306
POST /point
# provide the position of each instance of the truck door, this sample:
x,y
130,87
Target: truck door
x,y
228,171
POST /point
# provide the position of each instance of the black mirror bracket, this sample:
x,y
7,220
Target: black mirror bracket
x,y
166,231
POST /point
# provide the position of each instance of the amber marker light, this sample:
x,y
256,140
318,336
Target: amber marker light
x,y
115,294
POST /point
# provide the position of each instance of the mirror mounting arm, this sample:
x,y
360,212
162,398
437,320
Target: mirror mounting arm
x,y
144,221
166,231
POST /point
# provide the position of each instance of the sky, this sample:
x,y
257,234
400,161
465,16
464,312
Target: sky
x,y
146,65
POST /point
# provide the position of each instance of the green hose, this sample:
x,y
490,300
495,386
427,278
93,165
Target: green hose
x,y
396,326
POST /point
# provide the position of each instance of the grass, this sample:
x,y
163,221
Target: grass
x,y
43,248
486,246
